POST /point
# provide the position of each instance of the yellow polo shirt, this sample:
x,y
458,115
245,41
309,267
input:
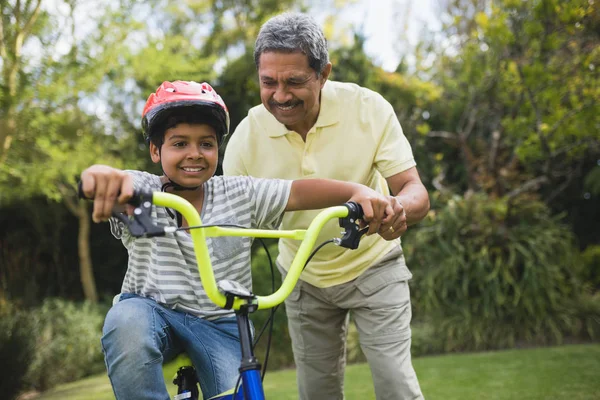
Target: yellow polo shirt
x,y
357,138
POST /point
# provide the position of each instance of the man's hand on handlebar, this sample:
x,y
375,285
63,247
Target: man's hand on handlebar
x,y
377,209
396,225
108,187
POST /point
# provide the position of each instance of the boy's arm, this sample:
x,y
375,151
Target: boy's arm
x,y
108,187
311,194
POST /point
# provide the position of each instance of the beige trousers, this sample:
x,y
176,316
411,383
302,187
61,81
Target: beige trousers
x,y
379,301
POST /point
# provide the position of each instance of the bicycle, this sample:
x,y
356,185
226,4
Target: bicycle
x,y
229,294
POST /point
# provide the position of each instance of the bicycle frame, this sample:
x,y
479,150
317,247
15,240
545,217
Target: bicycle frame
x,y
141,225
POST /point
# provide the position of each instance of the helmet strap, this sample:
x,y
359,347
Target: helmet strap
x,y
171,183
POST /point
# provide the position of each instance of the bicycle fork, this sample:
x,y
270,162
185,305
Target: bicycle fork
x,y
249,367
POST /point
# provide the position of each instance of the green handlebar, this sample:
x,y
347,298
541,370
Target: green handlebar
x,y
307,236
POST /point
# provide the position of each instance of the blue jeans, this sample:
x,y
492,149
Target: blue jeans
x,y
139,335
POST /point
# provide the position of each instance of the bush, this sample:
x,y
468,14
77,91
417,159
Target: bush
x,y
67,342
586,307
16,349
591,266
490,274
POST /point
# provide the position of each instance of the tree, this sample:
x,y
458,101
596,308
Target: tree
x,y
55,138
18,23
519,106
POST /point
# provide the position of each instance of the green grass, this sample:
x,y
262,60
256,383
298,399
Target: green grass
x,y
566,372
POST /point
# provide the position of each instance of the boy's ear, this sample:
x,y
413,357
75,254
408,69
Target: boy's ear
x,y
154,153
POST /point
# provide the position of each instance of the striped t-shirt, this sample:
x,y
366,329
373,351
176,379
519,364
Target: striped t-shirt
x,y
165,269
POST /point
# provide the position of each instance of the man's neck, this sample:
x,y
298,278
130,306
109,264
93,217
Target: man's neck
x,y
303,128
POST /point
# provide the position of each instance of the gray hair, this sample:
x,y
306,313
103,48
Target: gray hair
x,y
290,33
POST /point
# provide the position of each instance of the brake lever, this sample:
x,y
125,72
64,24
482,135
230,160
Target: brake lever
x,y
140,223
352,232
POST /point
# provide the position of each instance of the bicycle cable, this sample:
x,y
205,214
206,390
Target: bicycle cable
x,y
271,320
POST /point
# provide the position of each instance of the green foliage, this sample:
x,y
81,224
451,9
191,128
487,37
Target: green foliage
x,y
16,349
67,342
55,343
491,274
592,181
591,266
519,83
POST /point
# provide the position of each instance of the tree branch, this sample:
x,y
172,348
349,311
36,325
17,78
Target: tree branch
x,y
470,124
68,199
538,115
532,184
588,142
437,181
27,27
3,53
443,135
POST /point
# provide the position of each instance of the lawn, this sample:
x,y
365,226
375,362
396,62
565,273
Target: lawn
x,y
566,372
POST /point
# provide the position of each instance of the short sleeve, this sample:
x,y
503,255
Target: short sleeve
x,y
233,162
394,154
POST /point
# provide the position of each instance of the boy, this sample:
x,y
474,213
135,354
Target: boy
x,y
162,309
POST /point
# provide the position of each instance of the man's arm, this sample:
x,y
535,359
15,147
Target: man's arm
x,y
410,191
410,202
311,194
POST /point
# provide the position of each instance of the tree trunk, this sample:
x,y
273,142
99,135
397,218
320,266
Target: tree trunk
x,y
7,128
85,258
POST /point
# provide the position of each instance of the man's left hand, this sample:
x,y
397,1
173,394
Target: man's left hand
x,y
396,227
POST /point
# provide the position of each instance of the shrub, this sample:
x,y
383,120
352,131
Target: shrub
x,y
491,274
586,307
16,349
591,266
67,342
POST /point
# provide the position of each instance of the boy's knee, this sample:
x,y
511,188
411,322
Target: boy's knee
x,y
130,317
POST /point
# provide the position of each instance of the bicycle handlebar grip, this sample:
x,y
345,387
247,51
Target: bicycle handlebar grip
x,y
80,193
136,199
352,233
140,225
355,211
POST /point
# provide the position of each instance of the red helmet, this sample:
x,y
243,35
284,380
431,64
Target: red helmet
x,y
199,98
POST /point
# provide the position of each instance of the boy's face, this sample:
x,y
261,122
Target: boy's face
x,y
189,154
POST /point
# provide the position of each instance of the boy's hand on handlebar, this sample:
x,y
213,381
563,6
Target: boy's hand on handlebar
x,y
377,209
395,226
107,186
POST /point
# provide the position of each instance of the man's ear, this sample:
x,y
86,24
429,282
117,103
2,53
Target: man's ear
x,y
324,75
154,153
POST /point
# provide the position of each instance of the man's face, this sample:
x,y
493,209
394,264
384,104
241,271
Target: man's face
x,y
189,154
290,89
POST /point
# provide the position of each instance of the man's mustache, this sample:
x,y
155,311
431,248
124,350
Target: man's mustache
x,y
286,104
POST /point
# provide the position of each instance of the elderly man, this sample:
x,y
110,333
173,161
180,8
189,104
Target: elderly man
x,y
308,127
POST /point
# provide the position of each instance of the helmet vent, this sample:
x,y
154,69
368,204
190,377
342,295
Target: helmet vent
x,y
172,90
